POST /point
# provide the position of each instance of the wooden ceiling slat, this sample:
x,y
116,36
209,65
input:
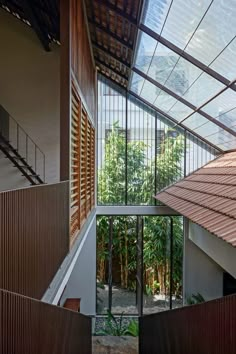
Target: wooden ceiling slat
x,y
113,26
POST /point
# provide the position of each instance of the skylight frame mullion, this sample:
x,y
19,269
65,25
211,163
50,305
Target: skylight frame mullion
x,y
185,102
175,121
231,84
186,56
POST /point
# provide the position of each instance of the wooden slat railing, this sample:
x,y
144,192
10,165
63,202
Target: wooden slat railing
x,y
34,237
207,328
28,326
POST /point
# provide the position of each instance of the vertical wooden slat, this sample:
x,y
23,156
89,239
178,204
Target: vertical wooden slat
x,y
207,328
82,163
29,326
81,58
33,237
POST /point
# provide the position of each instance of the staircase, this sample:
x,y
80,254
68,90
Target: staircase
x,y
21,150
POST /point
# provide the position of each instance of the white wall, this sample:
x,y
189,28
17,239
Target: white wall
x,y
206,257
202,274
29,91
220,251
82,281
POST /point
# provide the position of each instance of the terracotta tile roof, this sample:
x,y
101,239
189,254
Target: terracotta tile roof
x,y
208,197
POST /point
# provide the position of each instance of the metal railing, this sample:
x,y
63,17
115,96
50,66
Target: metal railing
x,y
19,139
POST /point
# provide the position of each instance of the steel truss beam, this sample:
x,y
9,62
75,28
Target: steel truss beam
x,y
175,121
187,103
198,109
186,56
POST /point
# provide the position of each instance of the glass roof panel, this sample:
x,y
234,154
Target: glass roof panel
x,y
203,88
164,101
206,30
210,131
176,73
149,91
136,83
179,111
222,104
182,77
215,31
155,12
195,121
225,64
163,62
180,18
146,48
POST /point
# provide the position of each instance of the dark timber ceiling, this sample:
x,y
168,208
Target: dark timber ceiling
x,y
113,31
176,56
41,15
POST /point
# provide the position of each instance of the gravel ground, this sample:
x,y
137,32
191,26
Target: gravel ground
x,y
124,301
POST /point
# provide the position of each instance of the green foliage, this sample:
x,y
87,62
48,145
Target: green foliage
x,y
132,329
195,299
141,181
114,326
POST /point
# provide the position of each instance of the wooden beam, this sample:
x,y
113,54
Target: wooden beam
x,y
117,11
111,68
111,54
111,34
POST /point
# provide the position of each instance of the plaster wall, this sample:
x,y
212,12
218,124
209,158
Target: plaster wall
x,y
30,92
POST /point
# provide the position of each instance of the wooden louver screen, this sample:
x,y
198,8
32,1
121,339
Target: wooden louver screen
x,y
82,164
75,161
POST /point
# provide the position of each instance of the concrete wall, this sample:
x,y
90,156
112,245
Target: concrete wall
x,y
206,258
220,251
29,91
82,281
202,274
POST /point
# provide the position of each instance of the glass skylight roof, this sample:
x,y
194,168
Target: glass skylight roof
x,y
185,60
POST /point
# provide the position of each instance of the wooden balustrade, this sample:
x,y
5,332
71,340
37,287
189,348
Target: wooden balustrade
x,y
29,326
207,328
34,237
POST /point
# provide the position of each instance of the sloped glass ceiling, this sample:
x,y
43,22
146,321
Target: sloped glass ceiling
x,y
185,65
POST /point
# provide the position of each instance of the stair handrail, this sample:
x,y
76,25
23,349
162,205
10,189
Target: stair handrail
x,y
15,140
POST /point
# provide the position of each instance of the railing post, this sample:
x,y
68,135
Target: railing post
x,y
17,137
35,158
26,148
44,168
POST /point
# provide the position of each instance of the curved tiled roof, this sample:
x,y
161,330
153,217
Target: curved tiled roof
x,y
208,197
